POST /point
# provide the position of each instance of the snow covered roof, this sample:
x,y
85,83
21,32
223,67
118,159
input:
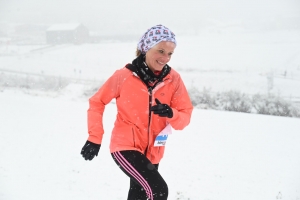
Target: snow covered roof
x,y
63,27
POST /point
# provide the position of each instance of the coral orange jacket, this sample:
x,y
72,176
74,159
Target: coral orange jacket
x,y
136,127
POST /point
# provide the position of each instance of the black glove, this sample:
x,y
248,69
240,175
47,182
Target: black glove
x,y
90,150
163,110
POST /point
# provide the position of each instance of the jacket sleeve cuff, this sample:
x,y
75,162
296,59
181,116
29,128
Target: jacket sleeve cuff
x,y
175,115
95,139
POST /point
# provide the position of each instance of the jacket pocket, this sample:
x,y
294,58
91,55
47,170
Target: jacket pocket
x,y
133,137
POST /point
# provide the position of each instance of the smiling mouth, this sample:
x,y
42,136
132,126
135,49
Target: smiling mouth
x,y
160,63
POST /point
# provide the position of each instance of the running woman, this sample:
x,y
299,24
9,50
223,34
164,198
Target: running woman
x,y
151,99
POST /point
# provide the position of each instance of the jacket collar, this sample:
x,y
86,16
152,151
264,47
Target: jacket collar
x,y
146,75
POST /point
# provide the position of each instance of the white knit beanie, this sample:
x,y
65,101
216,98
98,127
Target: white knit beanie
x,y
153,36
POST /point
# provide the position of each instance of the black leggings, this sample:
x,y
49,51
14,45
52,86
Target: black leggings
x,y
145,180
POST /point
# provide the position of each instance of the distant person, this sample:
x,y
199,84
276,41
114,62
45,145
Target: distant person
x,y
151,98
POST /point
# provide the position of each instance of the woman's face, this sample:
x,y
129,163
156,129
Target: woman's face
x,y
159,55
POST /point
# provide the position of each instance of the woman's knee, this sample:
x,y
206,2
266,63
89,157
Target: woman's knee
x,y
160,191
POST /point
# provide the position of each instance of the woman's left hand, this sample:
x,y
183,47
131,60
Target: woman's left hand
x,y
163,110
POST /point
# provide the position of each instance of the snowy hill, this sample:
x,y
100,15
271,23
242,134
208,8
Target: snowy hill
x,y
215,61
220,155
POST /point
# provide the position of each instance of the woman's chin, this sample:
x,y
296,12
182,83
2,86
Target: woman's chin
x,y
158,67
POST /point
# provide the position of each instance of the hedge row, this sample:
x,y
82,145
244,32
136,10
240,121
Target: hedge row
x,y
241,102
205,99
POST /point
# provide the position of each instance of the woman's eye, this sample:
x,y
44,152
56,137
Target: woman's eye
x,y
161,51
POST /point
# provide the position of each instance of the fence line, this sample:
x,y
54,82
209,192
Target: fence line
x,y
76,80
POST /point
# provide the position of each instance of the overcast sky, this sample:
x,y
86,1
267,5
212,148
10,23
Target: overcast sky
x,y
109,13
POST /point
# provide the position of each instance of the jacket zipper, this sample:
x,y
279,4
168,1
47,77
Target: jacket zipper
x,y
149,117
150,90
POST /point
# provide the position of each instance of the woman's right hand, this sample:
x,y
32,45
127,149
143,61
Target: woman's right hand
x,y
90,150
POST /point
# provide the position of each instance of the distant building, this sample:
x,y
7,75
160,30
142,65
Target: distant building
x,y
67,33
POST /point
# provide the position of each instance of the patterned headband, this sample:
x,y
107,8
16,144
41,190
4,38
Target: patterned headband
x,y
153,36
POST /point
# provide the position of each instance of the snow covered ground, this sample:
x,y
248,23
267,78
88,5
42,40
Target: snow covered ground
x,y
216,61
219,156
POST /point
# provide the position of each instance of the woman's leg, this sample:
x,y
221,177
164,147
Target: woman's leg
x,y
135,189
142,173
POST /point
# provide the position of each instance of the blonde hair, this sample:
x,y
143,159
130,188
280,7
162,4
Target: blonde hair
x,y
137,52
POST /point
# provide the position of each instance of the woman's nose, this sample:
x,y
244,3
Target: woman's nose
x,y
166,58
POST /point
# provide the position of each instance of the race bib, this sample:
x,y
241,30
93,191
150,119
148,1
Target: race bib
x,y
162,137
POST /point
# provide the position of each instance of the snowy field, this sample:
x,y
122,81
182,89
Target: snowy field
x,y
216,61
219,156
